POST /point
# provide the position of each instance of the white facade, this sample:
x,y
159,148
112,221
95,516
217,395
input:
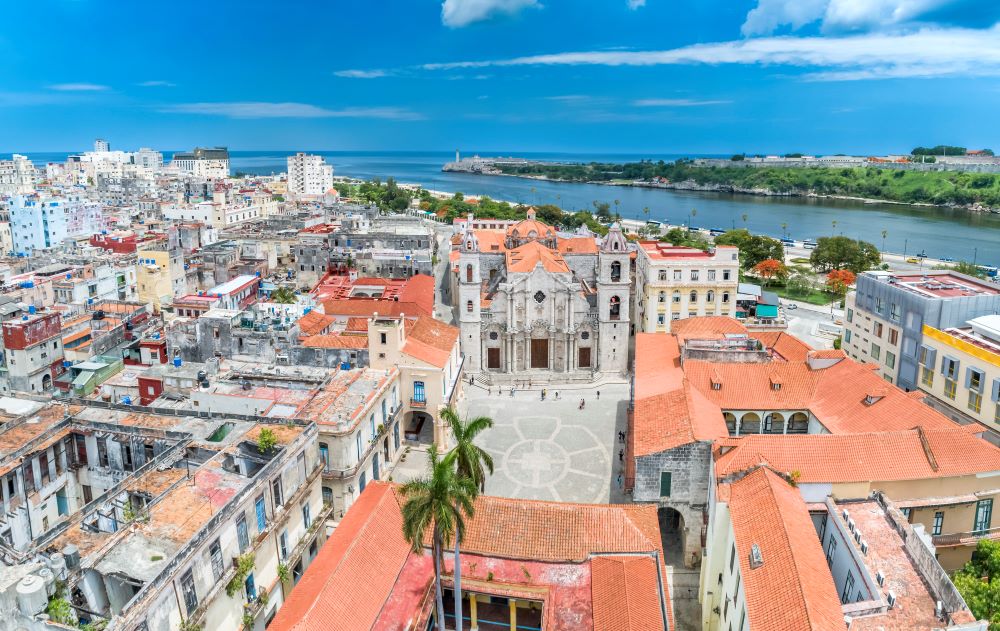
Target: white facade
x,y
101,145
17,175
45,222
309,175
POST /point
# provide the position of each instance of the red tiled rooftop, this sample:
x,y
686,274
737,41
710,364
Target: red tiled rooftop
x,y
767,511
430,341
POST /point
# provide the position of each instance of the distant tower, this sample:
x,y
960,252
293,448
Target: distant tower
x,y
469,288
101,145
458,157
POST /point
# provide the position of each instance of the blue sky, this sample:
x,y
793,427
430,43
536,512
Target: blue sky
x,y
656,76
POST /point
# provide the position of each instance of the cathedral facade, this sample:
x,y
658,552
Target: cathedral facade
x,y
530,300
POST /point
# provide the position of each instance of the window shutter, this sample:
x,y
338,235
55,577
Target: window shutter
x,y
944,365
995,391
664,484
968,377
982,378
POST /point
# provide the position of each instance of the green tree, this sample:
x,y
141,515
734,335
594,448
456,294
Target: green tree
x,y
603,210
754,248
979,582
968,268
471,463
842,252
438,501
284,295
799,284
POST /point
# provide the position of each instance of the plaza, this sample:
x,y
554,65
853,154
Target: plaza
x,y
550,449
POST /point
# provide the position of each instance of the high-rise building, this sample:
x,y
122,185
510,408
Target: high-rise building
x,y
101,145
17,175
45,222
148,158
309,175
203,162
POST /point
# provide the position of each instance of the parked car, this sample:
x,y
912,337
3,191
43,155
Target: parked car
x,y
791,306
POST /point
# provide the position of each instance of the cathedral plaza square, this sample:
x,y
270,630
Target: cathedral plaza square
x,y
552,450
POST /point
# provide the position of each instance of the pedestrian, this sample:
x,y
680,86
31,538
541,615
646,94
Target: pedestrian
x,y
583,402
619,482
621,455
512,392
557,395
598,395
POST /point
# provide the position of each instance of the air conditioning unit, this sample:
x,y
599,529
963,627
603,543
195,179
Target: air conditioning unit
x,y
847,516
850,524
864,547
891,599
857,535
880,578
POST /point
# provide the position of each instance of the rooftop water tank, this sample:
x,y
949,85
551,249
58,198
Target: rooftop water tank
x,y
72,556
127,400
31,596
31,309
49,579
177,362
57,563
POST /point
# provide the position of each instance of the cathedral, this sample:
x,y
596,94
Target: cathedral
x,y
530,300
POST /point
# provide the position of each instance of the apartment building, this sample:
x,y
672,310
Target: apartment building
x,y
159,276
203,162
95,283
886,313
360,438
38,222
675,282
960,371
32,352
309,175
17,175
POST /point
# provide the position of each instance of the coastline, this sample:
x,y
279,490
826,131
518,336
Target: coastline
x,y
691,186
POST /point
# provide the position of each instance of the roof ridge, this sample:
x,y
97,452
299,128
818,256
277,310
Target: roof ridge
x,y
928,451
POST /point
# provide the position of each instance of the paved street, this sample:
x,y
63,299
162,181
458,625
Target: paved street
x,y
551,450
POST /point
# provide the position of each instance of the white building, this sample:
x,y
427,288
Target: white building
x,y
309,175
101,145
17,175
209,163
45,222
148,158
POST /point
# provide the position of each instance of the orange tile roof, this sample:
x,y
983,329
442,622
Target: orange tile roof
x,y
578,245
657,364
430,341
531,254
366,565
678,417
867,457
835,395
314,323
335,341
490,241
357,325
766,511
623,589
783,345
706,328
525,227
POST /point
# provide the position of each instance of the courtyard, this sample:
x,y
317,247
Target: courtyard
x,y
552,450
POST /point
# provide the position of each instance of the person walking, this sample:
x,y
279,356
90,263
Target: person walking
x,y
583,402
598,395
621,455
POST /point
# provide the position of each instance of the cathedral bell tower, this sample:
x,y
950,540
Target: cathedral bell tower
x,y
469,290
613,288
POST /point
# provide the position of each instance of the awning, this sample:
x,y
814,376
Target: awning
x,y
767,311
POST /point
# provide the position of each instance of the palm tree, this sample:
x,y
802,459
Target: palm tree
x,y
439,501
745,216
834,227
471,463
885,233
694,213
784,230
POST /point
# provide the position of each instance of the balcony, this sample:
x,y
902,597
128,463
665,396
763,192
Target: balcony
x,y
420,403
969,538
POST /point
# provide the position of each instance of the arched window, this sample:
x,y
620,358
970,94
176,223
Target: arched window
x,y
468,306
693,297
710,296
468,273
324,455
662,297
616,307
616,272
725,297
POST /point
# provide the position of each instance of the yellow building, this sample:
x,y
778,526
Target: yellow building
x,y
159,277
673,283
960,370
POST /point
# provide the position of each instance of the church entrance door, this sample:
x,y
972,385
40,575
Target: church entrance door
x,y
540,353
584,358
493,358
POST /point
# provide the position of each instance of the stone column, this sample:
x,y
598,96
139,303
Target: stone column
x,y
474,626
513,614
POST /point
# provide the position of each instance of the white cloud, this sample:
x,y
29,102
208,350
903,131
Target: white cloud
x,y
677,102
569,98
157,84
258,109
635,4
361,74
924,53
457,13
837,15
79,87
